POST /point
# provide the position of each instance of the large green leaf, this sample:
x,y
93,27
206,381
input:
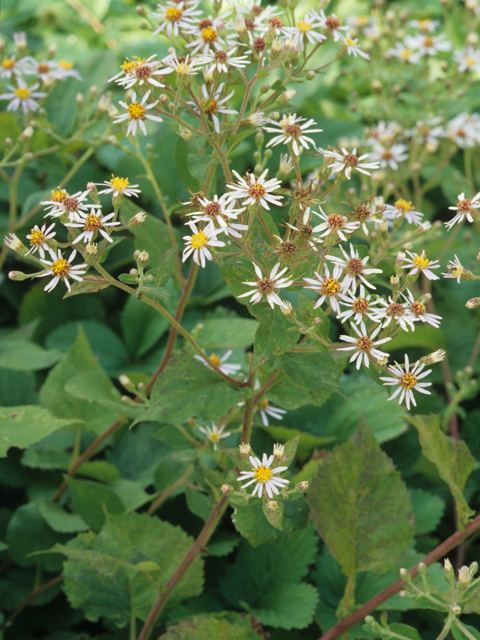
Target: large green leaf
x,y
452,458
22,355
361,507
23,426
142,326
227,333
123,568
54,396
266,581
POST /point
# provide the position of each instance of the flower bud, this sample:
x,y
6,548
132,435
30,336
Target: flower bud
x,y
434,357
17,276
79,99
447,565
456,610
138,218
473,303
403,572
26,133
303,486
141,256
20,41
272,505
245,449
278,451
91,249
13,242
226,489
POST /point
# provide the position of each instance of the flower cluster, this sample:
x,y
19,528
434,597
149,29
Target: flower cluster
x,y
27,80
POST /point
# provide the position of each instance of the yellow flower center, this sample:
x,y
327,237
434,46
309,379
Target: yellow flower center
x,y
421,262
173,14
408,381
364,344
214,437
215,360
262,474
362,21
22,92
349,42
119,184
418,308
43,67
136,111
257,191
330,287
211,106
209,35
263,404
403,205
8,63
66,65
360,305
303,26
60,267
470,62
93,222
405,54
199,240
58,195
36,237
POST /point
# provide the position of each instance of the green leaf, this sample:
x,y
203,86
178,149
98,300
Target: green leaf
x,y
60,520
458,634
21,355
404,630
142,326
428,510
307,378
93,501
250,522
97,385
92,285
107,574
53,395
186,389
227,333
275,335
452,458
23,426
228,626
361,507
266,581
28,533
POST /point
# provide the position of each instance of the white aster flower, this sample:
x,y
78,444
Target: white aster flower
x,y
209,34
455,270
348,161
353,48
391,310
255,190
419,263
183,66
136,113
119,186
292,130
333,25
359,306
13,242
368,212
407,380
268,410
419,310
465,209
402,209
60,268
91,224
354,269
138,71
39,237
383,133
175,17
308,30
404,53
199,243
23,97
428,132
213,103
428,45
65,69
215,434
61,203
334,226
426,25
263,477
329,286
267,286
389,156
221,61
468,60
220,362
221,211
10,67
44,70
364,345
464,130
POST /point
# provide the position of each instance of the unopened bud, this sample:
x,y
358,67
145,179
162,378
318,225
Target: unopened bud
x,y
91,186
20,40
422,567
288,95
184,133
473,303
434,357
126,382
278,451
447,565
245,449
91,249
138,218
226,489
272,505
464,575
141,256
286,308
79,99
27,133
394,281
18,276
403,572
456,610
303,486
